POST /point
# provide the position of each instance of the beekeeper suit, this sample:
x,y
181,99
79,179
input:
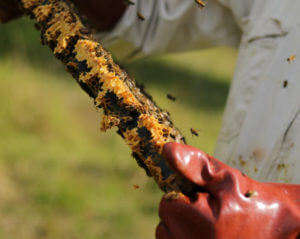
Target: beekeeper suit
x,y
260,134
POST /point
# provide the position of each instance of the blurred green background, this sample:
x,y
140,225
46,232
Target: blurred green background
x,y
59,176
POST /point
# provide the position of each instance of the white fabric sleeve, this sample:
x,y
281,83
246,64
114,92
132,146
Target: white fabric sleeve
x,y
261,126
175,25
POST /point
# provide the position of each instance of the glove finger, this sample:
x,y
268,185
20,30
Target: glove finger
x,y
193,164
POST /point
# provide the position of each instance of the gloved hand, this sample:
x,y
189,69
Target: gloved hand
x,y
228,205
102,15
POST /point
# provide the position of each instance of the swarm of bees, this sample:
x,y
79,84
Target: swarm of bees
x,y
291,58
200,3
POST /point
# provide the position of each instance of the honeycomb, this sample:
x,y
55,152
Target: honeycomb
x,y
140,122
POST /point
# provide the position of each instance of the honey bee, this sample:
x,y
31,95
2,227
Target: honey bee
x,y
171,97
135,186
128,2
140,16
195,132
291,58
200,3
285,84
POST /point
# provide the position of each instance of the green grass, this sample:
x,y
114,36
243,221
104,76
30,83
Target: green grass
x,y
60,177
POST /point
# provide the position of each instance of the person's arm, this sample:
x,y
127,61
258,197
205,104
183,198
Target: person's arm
x,y
176,25
168,26
101,15
227,204
9,10
260,134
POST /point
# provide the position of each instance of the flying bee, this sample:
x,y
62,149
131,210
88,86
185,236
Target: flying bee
x,y
285,84
140,16
195,132
200,3
291,58
128,2
136,186
171,97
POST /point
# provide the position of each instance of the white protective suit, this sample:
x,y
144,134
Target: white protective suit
x,y
261,126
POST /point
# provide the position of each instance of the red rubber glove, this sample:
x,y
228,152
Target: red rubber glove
x,y
228,205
